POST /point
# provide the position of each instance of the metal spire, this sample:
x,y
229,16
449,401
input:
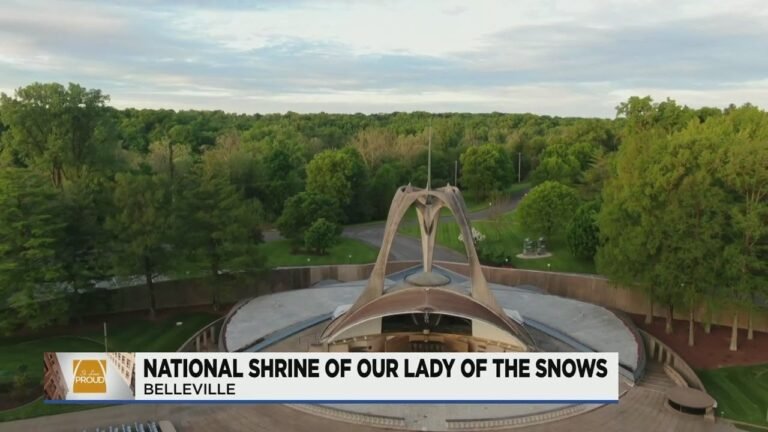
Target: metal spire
x,y
429,157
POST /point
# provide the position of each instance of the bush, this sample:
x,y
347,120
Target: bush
x,y
321,236
494,256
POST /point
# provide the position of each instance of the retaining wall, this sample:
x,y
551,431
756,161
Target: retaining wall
x,y
230,289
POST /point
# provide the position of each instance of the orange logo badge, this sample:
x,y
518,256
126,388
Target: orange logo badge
x,y
90,376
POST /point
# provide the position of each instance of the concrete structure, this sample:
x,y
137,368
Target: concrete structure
x,y
426,307
424,311
512,314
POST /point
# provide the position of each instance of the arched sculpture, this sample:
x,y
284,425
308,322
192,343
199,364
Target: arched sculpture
x,y
428,205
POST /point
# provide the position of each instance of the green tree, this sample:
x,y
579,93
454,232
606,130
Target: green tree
x,y
143,229
85,252
628,236
61,130
342,176
556,163
219,227
486,168
744,161
691,215
321,235
383,186
283,176
31,233
547,208
583,232
301,211
662,215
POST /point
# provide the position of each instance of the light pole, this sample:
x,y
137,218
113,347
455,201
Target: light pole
x,y
456,173
105,337
549,276
519,165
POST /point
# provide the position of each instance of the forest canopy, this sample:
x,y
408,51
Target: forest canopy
x,y
90,191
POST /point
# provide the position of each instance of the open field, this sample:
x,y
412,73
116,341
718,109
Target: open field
x,y
741,392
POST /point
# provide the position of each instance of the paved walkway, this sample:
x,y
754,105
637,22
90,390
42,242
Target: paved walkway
x,y
643,408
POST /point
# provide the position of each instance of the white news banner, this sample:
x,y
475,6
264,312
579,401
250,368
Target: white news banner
x,y
378,377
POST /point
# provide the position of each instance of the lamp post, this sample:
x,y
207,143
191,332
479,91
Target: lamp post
x,y
519,165
549,276
456,173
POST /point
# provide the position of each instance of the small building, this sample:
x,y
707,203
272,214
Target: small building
x,y
54,385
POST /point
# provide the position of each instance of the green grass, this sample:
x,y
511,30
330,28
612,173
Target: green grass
x,y
347,251
39,409
507,234
137,335
741,392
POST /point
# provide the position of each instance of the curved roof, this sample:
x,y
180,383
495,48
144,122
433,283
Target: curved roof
x,y
420,299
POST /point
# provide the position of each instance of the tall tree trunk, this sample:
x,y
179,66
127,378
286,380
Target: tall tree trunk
x,y
690,328
750,329
649,314
735,333
668,329
150,286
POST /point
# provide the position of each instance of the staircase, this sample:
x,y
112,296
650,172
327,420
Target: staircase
x,y
655,378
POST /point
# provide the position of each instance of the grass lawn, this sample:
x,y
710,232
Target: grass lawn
x,y
506,234
137,335
741,392
347,251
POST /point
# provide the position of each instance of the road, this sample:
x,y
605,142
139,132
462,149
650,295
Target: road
x,y
409,248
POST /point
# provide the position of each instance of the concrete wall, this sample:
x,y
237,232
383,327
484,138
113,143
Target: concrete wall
x,y
588,288
229,289
601,291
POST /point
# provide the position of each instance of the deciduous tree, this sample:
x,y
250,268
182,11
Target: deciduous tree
x,y
31,235
143,229
486,168
547,208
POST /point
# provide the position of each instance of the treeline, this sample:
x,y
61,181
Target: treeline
x,y
680,211
684,212
88,191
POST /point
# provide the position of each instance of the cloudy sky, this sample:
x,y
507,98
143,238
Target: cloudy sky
x,y
561,57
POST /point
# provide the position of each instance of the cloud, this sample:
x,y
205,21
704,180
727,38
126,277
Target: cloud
x,y
556,57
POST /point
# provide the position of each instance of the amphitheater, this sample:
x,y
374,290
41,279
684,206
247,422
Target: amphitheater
x,y
658,391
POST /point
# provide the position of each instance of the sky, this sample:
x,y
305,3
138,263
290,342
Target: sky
x,y
556,57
